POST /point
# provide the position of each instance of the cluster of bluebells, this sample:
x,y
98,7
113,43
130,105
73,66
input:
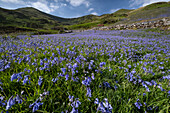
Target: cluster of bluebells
x,y
103,106
12,101
74,103
38,102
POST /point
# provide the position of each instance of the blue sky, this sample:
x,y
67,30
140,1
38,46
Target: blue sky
x,y
76,8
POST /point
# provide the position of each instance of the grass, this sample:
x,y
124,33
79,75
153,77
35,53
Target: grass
x,y
83,26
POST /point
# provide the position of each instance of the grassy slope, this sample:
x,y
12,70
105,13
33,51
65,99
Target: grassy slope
x,y
32,18
149,12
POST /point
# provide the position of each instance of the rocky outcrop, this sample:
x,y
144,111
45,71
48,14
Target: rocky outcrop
x,y
142,25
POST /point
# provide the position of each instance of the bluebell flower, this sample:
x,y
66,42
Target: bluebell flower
x,y
26,79
148,83
18,99
107,105
166,77
71,98
66,77
1,99
40,80
93,77
41,62
115,87
87,81
54,80
138,105
160,87
35,106
74,104
144,94
129,66
10,102
88,92
74,110
106,84
149,108
153,83
75,65
7,66
161,67
16,76
101,107
102,64
77,103
63,70
96,101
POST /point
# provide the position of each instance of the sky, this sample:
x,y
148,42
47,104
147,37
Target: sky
x,y
77,8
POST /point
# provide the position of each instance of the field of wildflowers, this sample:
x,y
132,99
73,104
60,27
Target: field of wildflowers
x,y
92,71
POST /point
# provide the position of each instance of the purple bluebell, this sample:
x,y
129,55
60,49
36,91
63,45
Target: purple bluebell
x,y
54,79
71,98
26,79
63,70
10,102
115,87
102,64
40,80
74,110
96,101
144,94
101,107
87,81
7,66
166,77
138,105
16,76
66,77
93,77
18,99
106,84
88,92
148,83
35,106
1,99
129,66
107,105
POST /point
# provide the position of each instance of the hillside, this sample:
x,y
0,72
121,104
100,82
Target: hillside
x,y
31,18
149,12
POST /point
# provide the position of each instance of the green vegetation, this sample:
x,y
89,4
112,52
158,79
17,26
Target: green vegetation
x,y
157,5
83,26
31,19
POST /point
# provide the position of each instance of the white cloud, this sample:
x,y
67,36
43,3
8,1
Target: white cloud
x,y
44,6
94,13
63,5
114,10
76,3
41,6
91,9
144,2
14,1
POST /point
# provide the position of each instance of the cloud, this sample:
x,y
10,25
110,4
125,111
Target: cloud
x,y
94,13
142,3
76,3
44,6
114,10
13,1
91,9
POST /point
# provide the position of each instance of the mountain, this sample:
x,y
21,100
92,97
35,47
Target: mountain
x,y
29,17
